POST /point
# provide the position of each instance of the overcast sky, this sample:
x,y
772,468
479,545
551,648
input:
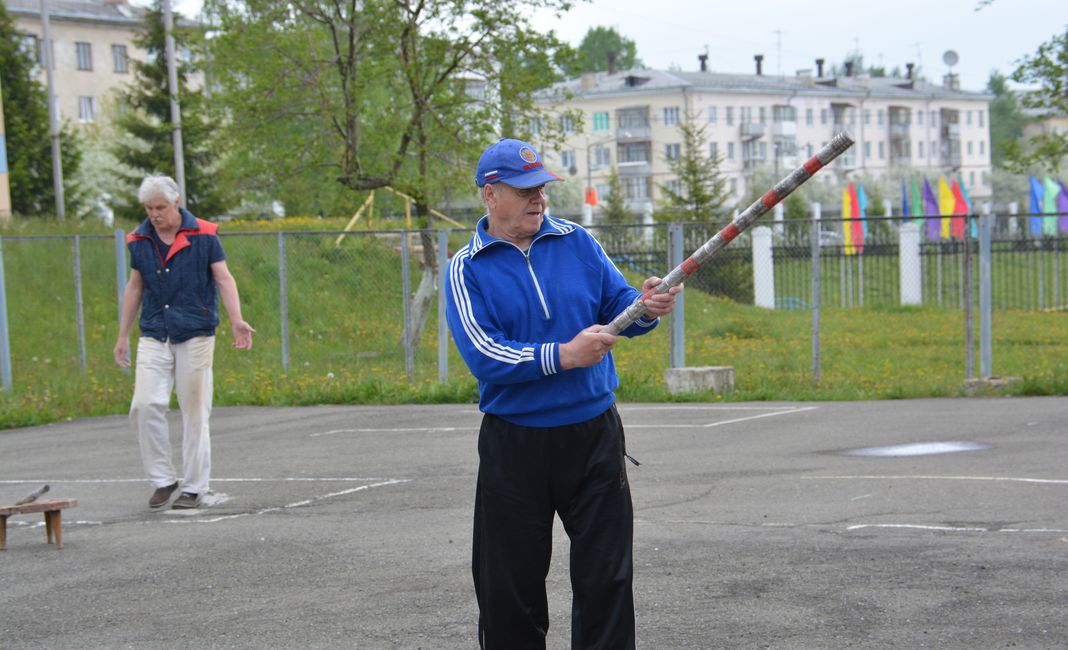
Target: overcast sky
x,y
792,35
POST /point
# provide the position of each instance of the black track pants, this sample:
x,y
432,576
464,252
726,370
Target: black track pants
x,y
526,475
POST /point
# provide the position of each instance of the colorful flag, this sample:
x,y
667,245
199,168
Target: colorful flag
x,y
917,203
947,204
930,208
1062,207
862,201
1036,206
1049,206
960,207
971,209
905,210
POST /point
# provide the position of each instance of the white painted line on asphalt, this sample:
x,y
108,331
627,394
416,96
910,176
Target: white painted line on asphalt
x,y
283,479
334,432
959,529
296,504
719,407
708,425
922,477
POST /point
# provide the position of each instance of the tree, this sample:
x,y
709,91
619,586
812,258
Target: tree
x,y
592,54
146,143
27,133
404,93
1048,68
615,210
701,193
1007,119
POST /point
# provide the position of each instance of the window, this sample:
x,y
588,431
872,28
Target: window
x,y
671,116
711,114
730,116
982,146
867,150
919,147
600,121
674,185
934,119
534,124
969,147
763,115
808,117
567,159
601,156
919,118
879,117
867,116
567,125
636,187
981,118
713,150
84,53
882,151
933,149
971,179
781,114
968,118
734,185
86,109
745,114
810,150
637,152
632,118
730,151
823,116
672,151
763,148
119,62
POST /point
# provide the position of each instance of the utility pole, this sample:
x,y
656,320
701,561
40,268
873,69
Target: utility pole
x,y
53,116
176,111
5,186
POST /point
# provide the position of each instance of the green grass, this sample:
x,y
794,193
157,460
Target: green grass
x,y
345,308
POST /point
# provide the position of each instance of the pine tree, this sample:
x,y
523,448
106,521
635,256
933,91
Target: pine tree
x,y
27,136
145,122
615,207
701,193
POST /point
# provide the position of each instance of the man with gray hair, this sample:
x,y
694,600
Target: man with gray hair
x,y
178,267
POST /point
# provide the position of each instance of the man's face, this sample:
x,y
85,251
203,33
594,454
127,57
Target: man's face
x,y
163,213
515,214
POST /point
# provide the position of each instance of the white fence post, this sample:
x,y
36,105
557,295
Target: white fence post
x,y
763,269
911,277
778,218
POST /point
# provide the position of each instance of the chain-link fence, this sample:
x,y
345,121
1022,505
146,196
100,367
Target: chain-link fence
x,y
343,303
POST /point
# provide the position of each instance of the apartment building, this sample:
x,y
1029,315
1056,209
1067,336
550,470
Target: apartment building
x,y
774,122
92,50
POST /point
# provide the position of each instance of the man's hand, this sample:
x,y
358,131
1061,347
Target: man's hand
x,y
122,352
587,348
658,304
242,335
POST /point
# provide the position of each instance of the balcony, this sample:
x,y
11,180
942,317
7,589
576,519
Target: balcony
x,y
752,130
784,129
899,131
633,133
635,168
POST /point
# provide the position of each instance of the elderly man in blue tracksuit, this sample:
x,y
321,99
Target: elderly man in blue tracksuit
x,y
527,300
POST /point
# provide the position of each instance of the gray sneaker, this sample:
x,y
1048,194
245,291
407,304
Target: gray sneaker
x,y
186,500
162,495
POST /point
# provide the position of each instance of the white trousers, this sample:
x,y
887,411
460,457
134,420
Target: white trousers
x,y
186,368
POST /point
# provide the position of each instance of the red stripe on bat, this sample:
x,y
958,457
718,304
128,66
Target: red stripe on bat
x,y
729,233
770,199
813,165
689,266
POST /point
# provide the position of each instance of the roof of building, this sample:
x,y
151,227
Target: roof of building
x,y
101,11
630,82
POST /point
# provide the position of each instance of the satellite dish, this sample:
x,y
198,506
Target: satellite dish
x,y
950,58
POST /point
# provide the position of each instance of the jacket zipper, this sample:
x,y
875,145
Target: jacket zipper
x,y
534,278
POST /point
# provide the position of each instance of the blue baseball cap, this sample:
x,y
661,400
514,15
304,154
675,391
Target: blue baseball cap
x,y
512,162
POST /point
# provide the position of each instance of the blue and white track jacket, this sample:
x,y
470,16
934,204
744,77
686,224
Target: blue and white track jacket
x,y
509,310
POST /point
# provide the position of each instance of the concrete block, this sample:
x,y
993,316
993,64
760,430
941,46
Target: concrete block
x,y
700,378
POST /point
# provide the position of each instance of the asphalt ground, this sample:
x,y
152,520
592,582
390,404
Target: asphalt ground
x,y
756,527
